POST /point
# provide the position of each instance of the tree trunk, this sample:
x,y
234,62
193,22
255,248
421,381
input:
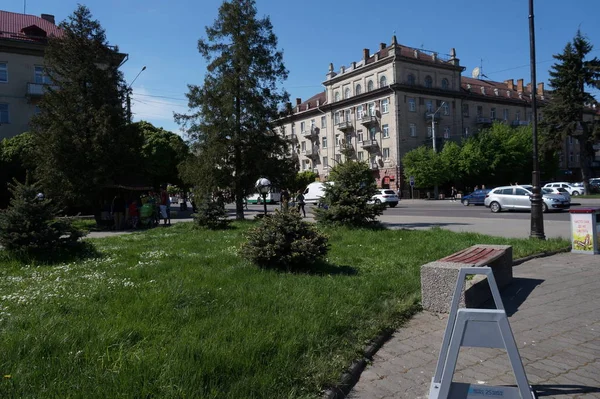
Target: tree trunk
x,y
239,192
584,163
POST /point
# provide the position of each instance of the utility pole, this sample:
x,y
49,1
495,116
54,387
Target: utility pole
x,y
129,95
537,217
435,187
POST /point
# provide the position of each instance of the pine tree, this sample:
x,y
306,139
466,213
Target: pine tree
x,y
569,101
80,133
236,106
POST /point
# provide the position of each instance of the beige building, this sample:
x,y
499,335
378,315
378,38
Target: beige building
x,y
379,108
22,79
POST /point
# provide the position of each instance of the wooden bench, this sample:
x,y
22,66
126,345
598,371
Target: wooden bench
x,y
438,278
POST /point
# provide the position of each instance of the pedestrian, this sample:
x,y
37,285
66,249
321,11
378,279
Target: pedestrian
x,y
300,202
164,198
483,186
453,194
285,200
118,211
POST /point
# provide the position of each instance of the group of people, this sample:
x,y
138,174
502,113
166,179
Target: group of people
x,y
299,200
148,209
454,191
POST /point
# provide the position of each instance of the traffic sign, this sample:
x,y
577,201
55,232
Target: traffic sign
x,y
412,180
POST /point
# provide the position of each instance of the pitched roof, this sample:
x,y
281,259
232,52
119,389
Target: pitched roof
x,y
26,27
311,103
488,88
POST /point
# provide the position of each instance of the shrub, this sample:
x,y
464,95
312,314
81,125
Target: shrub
x,y
31,224
284,241
211,214
346,201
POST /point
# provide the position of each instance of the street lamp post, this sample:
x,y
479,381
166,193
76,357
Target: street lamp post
x,y
263,186
435,187
129,95
537,218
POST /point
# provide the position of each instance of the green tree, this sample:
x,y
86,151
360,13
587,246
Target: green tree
x,y
234,109
81,143
426,166
346,200
15,162
564,113
450,157
301,180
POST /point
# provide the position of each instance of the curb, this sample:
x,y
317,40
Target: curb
x,y
352,375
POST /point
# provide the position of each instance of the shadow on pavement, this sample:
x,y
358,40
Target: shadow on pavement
x,y
419,225
515,294
567,390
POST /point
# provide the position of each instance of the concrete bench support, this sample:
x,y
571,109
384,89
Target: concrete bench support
x,y
438,279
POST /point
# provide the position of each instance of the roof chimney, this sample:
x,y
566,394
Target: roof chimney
x,y
365,54
520,85
49,18
382,46
540,89
528,87
298,101
510,83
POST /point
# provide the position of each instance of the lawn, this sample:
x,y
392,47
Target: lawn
x,y
174,312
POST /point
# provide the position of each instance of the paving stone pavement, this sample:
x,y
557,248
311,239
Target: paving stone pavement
x,y
554,312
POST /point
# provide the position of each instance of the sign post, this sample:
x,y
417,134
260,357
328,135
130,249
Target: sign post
x,y
412,184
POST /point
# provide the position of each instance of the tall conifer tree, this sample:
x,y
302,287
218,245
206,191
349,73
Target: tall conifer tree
x,y
569,101
234,110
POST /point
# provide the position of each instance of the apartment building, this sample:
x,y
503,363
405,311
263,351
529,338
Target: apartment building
x,y
393,101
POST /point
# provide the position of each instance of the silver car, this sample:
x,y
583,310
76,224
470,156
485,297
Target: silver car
x,y
519,197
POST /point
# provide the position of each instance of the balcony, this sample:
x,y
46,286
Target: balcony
x,y
311,152
373,166
428,115
519,123
484,121
316,170
345,126
369,144
310,133
347,147
37,89
368,120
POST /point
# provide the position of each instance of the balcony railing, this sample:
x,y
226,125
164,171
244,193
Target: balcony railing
x,y
519,123
368,120
368,144
373,165
484,121
310,132
311,152
38,89
346,125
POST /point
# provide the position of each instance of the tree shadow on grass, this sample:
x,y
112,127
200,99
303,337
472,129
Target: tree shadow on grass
x,y
322,268
73,252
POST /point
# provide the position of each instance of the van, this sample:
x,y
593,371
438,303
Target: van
x,y
314,192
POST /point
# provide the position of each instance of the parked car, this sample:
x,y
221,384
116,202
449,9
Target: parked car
x,y
519,197
573,190
477,197
557,190
314,192
385,196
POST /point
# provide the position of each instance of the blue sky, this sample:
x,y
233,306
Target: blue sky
x,y
162,35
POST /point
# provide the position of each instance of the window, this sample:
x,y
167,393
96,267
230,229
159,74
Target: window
x,y
373,133
445,84
465,110
505,191
385,105
520,191
359,136
447,132
336,118
293,130
306,164
518,115
429,105
336,96
4,113
505,114
347,115
325,162
349,138
410,79
302,126
446,108
360,156
312,123
429,131
359,112
570,139
385,129
303,146
412,128
386,154
479,111
3,72
428,82
370,86
371,109
466,132
493,113
323,122
358,90
412,105
37,110
324,145
347,93
40,75
337,140
382,82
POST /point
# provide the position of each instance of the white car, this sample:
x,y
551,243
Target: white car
x,y
386,196
573,190
519,197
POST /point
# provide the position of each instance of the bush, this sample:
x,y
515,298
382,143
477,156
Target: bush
x,y
211,214
31,224
346,201
284,241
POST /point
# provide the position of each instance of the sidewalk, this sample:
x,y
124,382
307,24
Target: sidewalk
x,y
554,309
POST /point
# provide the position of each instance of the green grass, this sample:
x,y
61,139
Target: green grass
x,y
588,196
175,313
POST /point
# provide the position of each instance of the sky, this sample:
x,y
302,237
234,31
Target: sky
x,y
163,36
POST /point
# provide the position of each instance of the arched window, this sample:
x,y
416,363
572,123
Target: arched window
x,y
445,84
428,82
382,82
336,96
347,93
358,90
410,79
370,85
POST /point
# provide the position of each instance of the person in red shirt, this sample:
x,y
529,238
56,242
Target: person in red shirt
x,y
164,200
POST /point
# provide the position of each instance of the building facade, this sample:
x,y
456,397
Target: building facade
x,y
393,101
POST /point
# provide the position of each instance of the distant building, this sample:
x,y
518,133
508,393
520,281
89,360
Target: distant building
x,y
381,107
